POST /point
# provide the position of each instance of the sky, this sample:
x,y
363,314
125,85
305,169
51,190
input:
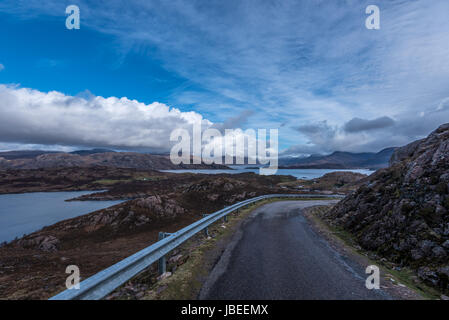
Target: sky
x,y
136,70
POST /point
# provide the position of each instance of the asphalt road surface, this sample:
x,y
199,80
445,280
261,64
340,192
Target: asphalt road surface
x,y
277,255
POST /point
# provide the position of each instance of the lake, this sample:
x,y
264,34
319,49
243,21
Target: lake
x,y
298,173
28,212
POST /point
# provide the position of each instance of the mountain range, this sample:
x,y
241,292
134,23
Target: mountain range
x,y
340,160
34,159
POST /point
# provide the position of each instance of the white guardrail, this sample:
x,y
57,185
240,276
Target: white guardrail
x,y
104,282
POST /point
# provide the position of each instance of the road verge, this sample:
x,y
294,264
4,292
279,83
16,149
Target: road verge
x,y
400,283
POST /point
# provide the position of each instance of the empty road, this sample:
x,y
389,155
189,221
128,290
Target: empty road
x,y
277,255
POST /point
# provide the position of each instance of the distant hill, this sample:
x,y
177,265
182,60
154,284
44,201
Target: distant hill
x,y
31,154
340,160
23,154
92,151
96,158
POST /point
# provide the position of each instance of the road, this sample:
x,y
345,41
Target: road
x,y
277,255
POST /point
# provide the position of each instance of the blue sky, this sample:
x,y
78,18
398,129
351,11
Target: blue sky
x,y
309,68
41,54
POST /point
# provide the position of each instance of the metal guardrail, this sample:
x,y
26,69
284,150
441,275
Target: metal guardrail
x,y
101,284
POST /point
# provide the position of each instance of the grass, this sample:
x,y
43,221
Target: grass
x,y
109,182
407,276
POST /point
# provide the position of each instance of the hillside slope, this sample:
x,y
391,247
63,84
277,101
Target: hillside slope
x,y
402,212
23,154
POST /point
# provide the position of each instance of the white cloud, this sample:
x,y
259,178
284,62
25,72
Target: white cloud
x,y
324,138
33,117
2,67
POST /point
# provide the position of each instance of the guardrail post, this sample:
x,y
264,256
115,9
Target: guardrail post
x,y
225,218
206,230
162,263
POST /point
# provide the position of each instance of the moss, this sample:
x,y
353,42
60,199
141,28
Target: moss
x,y
111,181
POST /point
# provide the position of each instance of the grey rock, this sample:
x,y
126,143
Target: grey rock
x,y
428,275
426,246
439,252
417,254
164,276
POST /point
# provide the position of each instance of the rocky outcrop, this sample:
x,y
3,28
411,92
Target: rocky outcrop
x,y
41,242
223,190
220,184
133,214
402,212
161,206
404,153
122,218
334,182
